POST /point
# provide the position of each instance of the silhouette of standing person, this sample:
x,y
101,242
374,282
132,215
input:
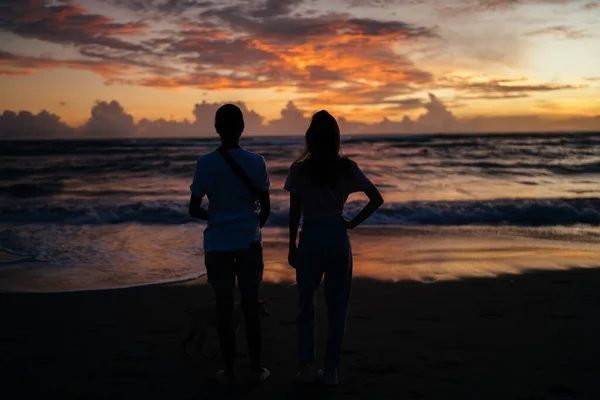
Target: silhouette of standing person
x,y
234,180
319,183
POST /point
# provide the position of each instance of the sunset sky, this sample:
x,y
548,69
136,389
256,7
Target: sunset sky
x,y
502,61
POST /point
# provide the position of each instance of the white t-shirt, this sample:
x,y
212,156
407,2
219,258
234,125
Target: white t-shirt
x,y
234,220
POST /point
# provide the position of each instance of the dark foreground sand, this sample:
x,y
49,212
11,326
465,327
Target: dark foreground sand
x,y
533,336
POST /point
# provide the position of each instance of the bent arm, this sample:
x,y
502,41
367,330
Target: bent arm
x,y
375,201
195,209
295,215
265,208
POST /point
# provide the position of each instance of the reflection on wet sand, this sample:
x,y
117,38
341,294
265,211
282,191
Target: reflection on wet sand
x,y
404,254
100,257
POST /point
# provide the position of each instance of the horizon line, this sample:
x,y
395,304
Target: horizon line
x,y
348,136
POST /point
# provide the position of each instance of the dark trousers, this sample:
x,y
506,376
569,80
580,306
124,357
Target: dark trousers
x,y
223,267
324,251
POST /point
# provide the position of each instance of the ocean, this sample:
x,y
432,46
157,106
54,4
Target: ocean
x,y
113,213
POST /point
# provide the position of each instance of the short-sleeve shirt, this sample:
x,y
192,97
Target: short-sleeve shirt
x,y
324,202
234,222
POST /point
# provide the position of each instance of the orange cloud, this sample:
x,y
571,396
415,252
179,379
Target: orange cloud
x,y
22,65
333,58
11,72
343,61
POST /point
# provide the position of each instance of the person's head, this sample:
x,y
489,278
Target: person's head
x,y
229,123
323,148
323,137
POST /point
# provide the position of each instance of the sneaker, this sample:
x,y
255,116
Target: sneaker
x,y
306,374
226,378
260,377
330,378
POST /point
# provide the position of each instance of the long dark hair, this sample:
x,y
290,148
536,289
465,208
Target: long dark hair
x,y
322,154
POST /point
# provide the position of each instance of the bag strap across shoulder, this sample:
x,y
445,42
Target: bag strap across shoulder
x,y
235,167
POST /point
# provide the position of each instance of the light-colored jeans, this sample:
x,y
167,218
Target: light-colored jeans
x,y
324,250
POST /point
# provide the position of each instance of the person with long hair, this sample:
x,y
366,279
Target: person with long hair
x,y
319,184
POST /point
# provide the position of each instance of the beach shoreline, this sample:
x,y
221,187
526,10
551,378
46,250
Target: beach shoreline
x,y
531,335
423,254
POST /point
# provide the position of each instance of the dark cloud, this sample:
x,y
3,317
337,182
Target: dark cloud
x,y
277,24
109,120
163,128
494,4
562,31
437,118
530,123
278,29
292,29
181,6
238,53
501,87
26,125
201,125
291,121
320,73
64,22
371,27
493,89
491,5
384,3
404,104
274,8
253,8
113,65
462,8
162,7
127,59
204,114
501,96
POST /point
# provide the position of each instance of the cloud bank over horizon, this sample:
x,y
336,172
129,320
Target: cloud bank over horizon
x,y
109,119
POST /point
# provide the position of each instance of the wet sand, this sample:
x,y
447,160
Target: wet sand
x,y
391,254
528,336
6,257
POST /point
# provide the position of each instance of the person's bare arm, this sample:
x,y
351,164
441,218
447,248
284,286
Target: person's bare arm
x,y
196,210
375,201
265,207
295,215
